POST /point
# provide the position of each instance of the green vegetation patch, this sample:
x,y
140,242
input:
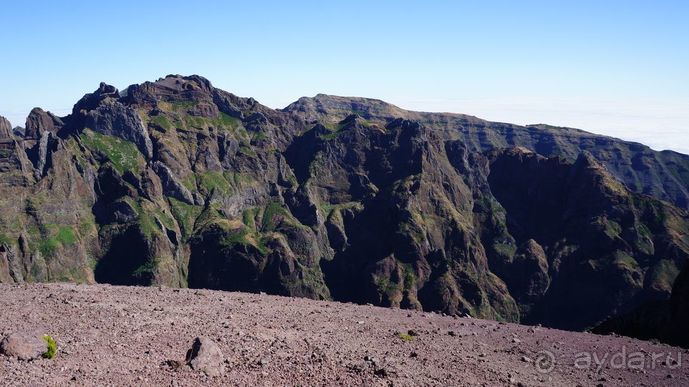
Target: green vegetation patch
x,y
214,181
229,122
186,215
58,236
327,208
162,121
51,350
386,286
123,155
146,270
65,235
5,239
505,249
335,130
245,236
176,113
147,213
271,216
87,225
409,276
625,260
663,275
611,228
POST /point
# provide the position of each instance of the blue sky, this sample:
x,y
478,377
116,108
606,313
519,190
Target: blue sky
x,y
610,67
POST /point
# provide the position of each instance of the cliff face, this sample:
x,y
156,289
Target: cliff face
x,y
178,183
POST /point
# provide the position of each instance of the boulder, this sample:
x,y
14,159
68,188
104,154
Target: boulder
x,y
205,356
23,346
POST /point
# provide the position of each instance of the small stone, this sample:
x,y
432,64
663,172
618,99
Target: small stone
x,y
205,356
452,333
412,333
172,364
413,354
526,359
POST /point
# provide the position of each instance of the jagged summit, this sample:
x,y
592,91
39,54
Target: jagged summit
x,y
178,183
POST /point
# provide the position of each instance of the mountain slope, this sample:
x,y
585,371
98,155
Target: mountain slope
x,y
175,182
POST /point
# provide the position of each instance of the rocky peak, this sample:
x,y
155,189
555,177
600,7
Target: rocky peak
x,y
93,100
18,131
593,173
337,108
170,89
103,111
5,128
40,121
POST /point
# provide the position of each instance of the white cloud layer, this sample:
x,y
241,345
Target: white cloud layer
x,y
658,124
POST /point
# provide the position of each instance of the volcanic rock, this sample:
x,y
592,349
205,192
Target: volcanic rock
x,y
205,356
23,346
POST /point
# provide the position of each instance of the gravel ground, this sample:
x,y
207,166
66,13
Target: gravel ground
x,y
110,335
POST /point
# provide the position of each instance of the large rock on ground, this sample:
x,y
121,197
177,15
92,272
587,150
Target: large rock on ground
x,y
23,346
205,356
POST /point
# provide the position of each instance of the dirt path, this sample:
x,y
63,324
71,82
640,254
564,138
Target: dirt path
x,y
125,336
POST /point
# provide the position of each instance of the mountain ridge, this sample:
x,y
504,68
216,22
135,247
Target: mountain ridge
x,y
674,187
178,183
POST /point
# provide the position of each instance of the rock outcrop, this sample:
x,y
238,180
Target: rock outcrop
x,y
5,128
40,121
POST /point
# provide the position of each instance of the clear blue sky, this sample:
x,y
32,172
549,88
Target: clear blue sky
x,y
612,67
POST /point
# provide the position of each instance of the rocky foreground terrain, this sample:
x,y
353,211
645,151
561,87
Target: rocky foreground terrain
x,y
109,335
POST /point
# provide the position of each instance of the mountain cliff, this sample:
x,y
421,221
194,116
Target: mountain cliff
x,y
178,183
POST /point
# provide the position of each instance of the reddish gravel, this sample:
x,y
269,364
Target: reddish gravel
x,y
125,335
